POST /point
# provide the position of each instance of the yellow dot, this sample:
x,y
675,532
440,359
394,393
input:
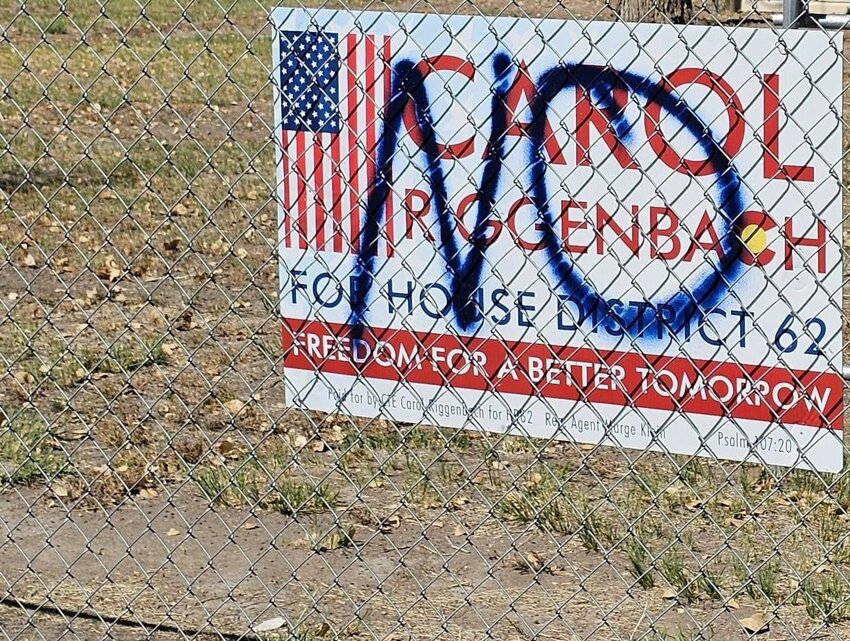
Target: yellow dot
x,y
755,238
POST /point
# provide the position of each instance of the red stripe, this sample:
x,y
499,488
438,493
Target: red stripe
x,y
301,174
541,371
353,149
318,187
371,112
287,211
386,70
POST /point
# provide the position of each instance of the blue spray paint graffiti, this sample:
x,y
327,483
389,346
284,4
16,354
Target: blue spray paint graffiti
x,y
464,271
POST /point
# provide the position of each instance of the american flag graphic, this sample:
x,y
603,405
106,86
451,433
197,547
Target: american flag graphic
x,y
333,90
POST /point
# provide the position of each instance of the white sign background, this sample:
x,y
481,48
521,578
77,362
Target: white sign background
x,y
757,379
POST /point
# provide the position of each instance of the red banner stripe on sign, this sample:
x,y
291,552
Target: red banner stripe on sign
x,y
714,388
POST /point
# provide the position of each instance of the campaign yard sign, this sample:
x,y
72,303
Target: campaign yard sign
x,y
607,233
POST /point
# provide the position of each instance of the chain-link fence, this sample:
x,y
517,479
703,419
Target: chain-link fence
x,y
155,482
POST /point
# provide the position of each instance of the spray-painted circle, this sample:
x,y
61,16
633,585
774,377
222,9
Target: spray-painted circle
x,y
693,298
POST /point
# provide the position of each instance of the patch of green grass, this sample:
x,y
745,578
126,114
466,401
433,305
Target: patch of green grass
x,y
389,437
129,356
826,598
542,504
303,632
758,584
640,561
448,474
289,496
765,580
222,486
804,483
354,458
322,540
648,482
60,25
593,530
66,365
710,582
694,470
27,454
673,569
421,491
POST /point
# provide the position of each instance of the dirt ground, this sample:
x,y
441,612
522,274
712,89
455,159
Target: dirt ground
x,y
153,485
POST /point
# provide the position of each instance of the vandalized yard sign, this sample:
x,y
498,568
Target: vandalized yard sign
x,y
606,233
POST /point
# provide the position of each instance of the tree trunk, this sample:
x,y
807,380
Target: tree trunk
x,y
677,11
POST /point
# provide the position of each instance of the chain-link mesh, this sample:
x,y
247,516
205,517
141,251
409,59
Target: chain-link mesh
x,y
156,485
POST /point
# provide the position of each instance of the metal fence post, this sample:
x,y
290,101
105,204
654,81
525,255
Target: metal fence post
x,y
795,14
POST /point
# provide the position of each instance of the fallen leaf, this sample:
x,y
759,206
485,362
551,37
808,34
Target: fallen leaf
x,y
269,624
535,478
534,561
755,624
172,532
229,448
108,271
234,406
250,525
335,435
24,378
186,321
732,604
